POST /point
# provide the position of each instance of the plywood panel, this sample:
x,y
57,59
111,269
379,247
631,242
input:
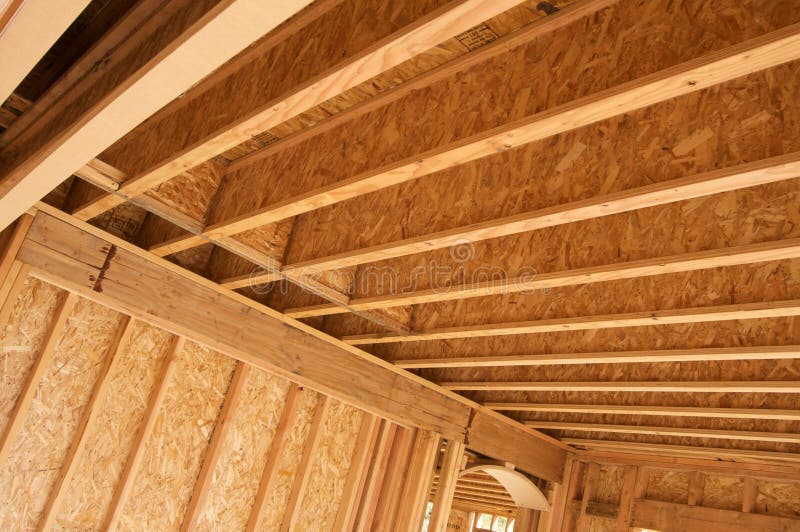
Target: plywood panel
x,y
235,481
38,452
87,499
174,453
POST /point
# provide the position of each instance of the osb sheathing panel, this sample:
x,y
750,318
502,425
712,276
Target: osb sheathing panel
x,y
331,464
778,498
236,478
600,524
22,338
609,484
287,468
174,453
668,486
723,492
341,32
583,58
109,443
37,455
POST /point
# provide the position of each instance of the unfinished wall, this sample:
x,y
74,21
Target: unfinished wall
x,y
150,431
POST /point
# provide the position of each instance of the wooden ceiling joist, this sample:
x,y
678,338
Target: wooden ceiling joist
x,y
610,357
124,277
655,410
180,51
739,60
623,386
741,435
682,450
448,21
745,311
27,31
695,186
686,262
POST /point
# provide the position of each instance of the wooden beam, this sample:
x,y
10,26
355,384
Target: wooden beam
x,y
669,516
374,479
741,435
157,395
609,357
149,288
27,31
155,74
11,289
214,451
86,423
303,475
537,29
8,255
681,450
17,416
627,386
744,311
700,260
440,25
274,455
414,496
695,186
452,463
763,52
351,495
646,410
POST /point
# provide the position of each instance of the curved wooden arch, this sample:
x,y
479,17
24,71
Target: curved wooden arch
x,y
524,492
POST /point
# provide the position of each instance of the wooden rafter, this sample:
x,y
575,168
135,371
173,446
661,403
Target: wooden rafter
x,y
27,31
269,474
157,395
215,446
647,410
741,435
685,262
626,386
155,75
69,256
769,50
609,357
40,366
444,23
745,311
86,423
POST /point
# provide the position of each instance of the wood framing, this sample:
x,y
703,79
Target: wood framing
x,y
123,490
626,386
346,513
745,311
671,411
27,30
764,52
452,463
81,261
681,450
155,76
414,496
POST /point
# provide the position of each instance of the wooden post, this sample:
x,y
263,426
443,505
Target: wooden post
x,y
415,492
348,506
626,498
589,489
448,477
696,485
749,495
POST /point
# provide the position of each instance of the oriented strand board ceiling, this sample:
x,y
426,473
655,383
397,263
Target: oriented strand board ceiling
x,y
582,214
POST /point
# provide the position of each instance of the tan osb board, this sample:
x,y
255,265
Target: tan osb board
x,y
175,451
49,427
238,471
778,498
723,492
668,486
331,464
109,443
22,338
609,484
287,468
